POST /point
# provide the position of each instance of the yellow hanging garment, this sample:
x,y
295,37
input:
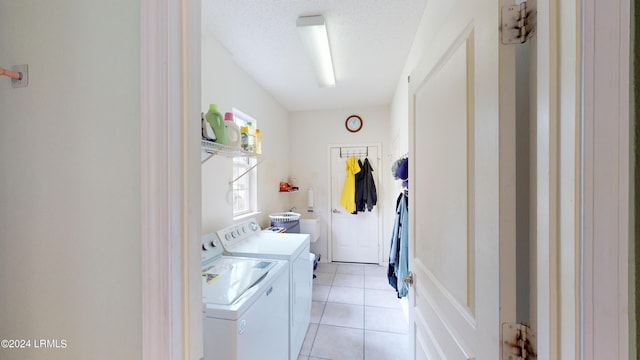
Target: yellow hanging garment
x,y
348,197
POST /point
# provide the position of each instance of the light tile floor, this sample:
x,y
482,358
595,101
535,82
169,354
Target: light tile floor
x,y
355,315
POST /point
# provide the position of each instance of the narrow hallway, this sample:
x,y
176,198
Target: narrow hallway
x,y
355,314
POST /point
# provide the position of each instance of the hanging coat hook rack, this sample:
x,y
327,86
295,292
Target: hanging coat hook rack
x,y
19,75
354,151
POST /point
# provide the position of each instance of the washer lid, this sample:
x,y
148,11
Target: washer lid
x,y
228,278
277,246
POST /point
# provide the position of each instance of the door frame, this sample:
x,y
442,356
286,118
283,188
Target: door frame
x,y
380,202
606,205
582,142
558,175
171,307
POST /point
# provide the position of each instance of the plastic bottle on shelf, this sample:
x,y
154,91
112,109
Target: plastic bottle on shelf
x,y
233,131
258,141
207,130
252,137
244,137
214,118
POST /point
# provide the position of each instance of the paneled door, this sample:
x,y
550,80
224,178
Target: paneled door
x,y
354,237
461,186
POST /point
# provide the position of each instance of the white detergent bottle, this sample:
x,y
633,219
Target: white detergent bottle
x,y
252,137
233,131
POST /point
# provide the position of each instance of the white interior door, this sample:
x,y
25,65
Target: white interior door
x,y
462,184
354,237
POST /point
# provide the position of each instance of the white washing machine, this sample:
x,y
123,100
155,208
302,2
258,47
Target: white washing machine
x,y
245,305
248,240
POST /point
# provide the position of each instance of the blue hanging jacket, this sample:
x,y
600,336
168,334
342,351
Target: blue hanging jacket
x,y
399,252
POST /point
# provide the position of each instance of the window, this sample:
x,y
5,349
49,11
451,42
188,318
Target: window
x,y
245,189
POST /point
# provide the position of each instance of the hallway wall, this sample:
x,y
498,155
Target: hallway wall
x,y
70,256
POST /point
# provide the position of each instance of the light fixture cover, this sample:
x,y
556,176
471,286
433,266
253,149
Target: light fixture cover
x,y
313,32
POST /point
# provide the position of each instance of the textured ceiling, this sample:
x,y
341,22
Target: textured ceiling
x,y
370,41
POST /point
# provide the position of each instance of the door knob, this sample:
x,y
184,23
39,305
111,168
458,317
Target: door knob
x,y
336,211
408,280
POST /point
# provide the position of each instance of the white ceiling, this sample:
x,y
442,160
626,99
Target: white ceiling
x,y
370,41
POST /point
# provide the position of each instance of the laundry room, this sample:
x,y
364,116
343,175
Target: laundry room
x,y
257,74
295,144
513,118
297,138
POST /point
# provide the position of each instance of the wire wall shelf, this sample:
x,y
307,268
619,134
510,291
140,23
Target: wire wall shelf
x,y
210,148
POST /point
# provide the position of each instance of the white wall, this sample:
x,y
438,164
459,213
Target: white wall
x,y
70,179
399,126
399,108
311,134
228,86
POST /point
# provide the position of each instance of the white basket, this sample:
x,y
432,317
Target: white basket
x,y
285,216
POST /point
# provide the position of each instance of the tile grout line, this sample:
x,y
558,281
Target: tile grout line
x,y
363,307
313,343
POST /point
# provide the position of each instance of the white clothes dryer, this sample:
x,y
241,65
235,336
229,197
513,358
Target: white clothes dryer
x,y
248,240
245,305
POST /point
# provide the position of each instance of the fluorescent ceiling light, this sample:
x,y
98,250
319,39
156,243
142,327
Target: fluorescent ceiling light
x,y
313,33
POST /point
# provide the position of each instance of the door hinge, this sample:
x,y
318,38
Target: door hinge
x,y
518,342
518,24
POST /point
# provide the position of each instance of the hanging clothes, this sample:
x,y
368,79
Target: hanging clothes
x,y
402,172
359,178
399,253
348,196
366,196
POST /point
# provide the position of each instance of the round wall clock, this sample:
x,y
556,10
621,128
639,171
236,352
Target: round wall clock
x,y
353,123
